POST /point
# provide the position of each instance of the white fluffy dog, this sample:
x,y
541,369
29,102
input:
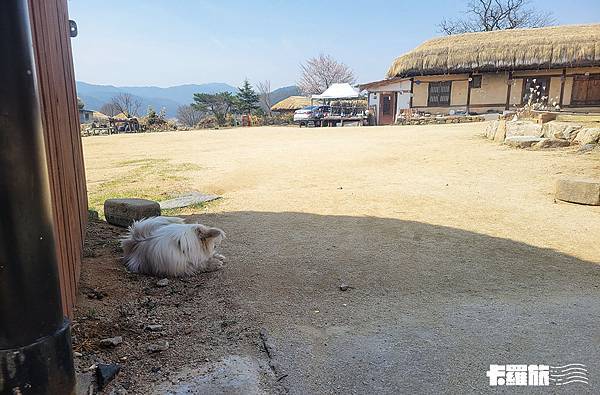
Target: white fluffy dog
x,y
166,246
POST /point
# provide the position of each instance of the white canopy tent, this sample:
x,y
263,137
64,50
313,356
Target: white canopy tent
x,y
338,91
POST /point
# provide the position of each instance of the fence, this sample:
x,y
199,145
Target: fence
x,y
60,119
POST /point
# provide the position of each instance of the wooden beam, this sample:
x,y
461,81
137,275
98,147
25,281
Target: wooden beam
x,y
508,91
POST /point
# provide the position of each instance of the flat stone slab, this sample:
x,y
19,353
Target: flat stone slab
x,y
579,191
122,212
187,200
552,143
522,141
233,374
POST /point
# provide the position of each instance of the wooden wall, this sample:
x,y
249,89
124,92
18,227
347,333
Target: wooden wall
x,y
60,119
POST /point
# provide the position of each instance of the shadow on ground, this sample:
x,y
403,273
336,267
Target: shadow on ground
x,y
429,308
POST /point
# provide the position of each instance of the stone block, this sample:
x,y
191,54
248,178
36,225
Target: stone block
x,y
523,128
588,136
122,212
490,130
579,191
522,141
560,130
187,199
552,143
500,131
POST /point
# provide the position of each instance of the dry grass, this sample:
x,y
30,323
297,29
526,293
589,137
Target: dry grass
x,y
154,179
559,46
399,171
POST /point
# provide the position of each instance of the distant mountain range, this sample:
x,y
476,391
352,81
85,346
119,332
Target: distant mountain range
x,y
94,96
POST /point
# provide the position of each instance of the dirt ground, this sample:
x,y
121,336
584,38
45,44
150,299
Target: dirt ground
x,y
456,254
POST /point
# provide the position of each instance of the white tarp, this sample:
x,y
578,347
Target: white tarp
x,y
338,91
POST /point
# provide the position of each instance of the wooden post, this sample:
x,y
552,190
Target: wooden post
x,y
412,84
563,77
469,92
508,91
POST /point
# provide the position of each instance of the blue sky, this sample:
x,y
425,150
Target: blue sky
x,y
172,42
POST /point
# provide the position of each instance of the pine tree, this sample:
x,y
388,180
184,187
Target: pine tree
x,y
247,98
152,117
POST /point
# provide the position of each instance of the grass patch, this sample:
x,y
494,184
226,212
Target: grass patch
x,y
153,179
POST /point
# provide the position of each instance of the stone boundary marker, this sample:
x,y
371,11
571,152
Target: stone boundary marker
x,y
579,191
122,212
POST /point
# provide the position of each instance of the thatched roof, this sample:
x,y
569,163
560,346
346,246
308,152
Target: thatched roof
x,y
291,103
99,115
121,116
518,49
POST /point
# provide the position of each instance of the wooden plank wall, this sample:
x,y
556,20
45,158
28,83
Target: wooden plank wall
x,y
60,119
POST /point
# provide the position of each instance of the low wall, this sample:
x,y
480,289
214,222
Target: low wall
x,y
439,120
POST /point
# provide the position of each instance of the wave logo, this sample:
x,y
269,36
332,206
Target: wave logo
x,y
537,375
568,374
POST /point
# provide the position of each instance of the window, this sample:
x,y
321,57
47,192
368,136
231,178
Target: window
x,y
476,81
439,93
536,88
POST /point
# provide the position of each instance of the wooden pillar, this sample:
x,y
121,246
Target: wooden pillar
x,y
508,90
60,121
563,77
469,92
412,84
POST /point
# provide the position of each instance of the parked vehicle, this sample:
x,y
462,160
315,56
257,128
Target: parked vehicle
x,y
310,113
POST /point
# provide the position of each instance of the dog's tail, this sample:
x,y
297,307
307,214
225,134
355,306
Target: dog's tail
x,y
142,230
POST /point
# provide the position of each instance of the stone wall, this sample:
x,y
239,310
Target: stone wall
x,y
436,120
553,134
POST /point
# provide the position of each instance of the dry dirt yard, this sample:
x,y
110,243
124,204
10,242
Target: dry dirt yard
x,y
455,253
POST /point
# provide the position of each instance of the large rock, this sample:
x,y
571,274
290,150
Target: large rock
x,y
579,191
122,212
500,131
105,373
560,130
522,141
587,148
552,143
523,128
490,130
588,136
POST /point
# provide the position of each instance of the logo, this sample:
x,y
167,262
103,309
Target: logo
x,y
537,375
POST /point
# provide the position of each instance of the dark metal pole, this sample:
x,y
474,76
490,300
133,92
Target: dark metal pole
x,y
35,342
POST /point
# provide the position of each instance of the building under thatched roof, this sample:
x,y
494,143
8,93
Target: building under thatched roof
x,y
291,103
517,49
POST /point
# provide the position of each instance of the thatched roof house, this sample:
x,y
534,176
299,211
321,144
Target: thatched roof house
x,y
291,104
498,70
98,116
518,49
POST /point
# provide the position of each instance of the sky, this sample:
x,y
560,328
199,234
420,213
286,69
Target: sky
x,y
173,42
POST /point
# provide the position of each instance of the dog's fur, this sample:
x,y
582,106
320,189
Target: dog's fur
x,y
166,246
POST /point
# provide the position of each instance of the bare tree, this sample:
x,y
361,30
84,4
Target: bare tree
x,y
487,15
127,104
319,73
264,92
109,109
189,115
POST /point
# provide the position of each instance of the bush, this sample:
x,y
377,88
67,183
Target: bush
x,y
208,122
